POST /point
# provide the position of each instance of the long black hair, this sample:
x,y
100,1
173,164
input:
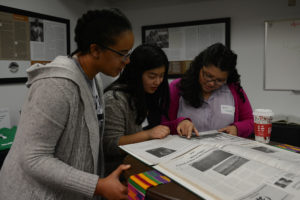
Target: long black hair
x,y
100,27
145,57
217,55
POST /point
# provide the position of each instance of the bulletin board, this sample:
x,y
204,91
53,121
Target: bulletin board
x,y
282,55
27,38
184,40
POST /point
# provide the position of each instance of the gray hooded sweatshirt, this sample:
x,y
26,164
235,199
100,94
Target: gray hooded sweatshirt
x,y
57,151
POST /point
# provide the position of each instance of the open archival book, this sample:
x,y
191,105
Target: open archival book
x,y
220,166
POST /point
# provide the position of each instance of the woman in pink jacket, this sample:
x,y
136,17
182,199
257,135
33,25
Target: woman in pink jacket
x,y
210,94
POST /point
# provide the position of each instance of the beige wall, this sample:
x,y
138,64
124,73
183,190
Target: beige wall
x,y
12,96
247,37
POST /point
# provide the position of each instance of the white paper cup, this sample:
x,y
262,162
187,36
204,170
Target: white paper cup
x,y
263,124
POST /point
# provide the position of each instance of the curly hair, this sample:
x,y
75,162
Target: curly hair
x,y
153,106
99,27
217,55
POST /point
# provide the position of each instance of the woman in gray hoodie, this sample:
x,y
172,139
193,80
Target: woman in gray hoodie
x,y
57,152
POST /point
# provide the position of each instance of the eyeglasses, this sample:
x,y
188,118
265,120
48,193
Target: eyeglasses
x,y
209,78
125,56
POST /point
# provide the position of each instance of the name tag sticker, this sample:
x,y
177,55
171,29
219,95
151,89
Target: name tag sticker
x,y
226,109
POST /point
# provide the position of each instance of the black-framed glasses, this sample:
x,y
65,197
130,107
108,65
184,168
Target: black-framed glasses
x,y
125,56
209,78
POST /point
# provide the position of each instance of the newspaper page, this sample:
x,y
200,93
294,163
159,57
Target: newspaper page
x,y
275,157
215,173
254,150
14,40
185,42
219,139
48,39
14,45
4,118
155,151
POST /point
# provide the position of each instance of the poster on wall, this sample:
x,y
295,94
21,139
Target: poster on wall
x,y
27,38
183,41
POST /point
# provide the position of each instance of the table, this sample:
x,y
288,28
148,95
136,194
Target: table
x,y
168,191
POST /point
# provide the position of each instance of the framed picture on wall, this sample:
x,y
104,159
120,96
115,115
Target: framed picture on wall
x,y
184,40
27,38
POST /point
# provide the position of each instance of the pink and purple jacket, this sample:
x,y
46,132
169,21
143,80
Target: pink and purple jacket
x,y
243,116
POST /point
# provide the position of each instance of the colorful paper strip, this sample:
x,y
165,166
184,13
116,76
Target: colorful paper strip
x,y
139,183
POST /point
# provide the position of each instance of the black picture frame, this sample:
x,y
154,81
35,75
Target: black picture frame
x,y
163,42
29,14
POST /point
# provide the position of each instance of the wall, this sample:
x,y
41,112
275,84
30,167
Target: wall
x,y
12,96
247,37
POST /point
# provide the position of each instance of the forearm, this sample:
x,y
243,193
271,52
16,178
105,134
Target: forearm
x,y
39,161
245,128
134,138
245,122
63,177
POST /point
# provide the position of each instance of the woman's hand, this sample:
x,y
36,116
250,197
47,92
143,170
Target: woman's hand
x,y
232,130
110,187
158,132
186,128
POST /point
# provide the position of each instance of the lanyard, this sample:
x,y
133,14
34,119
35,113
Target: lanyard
x,y
94,91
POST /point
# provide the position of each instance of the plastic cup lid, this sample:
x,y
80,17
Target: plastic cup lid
x,y
263,112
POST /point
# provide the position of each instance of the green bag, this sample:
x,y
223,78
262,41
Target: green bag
x,y
7,137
